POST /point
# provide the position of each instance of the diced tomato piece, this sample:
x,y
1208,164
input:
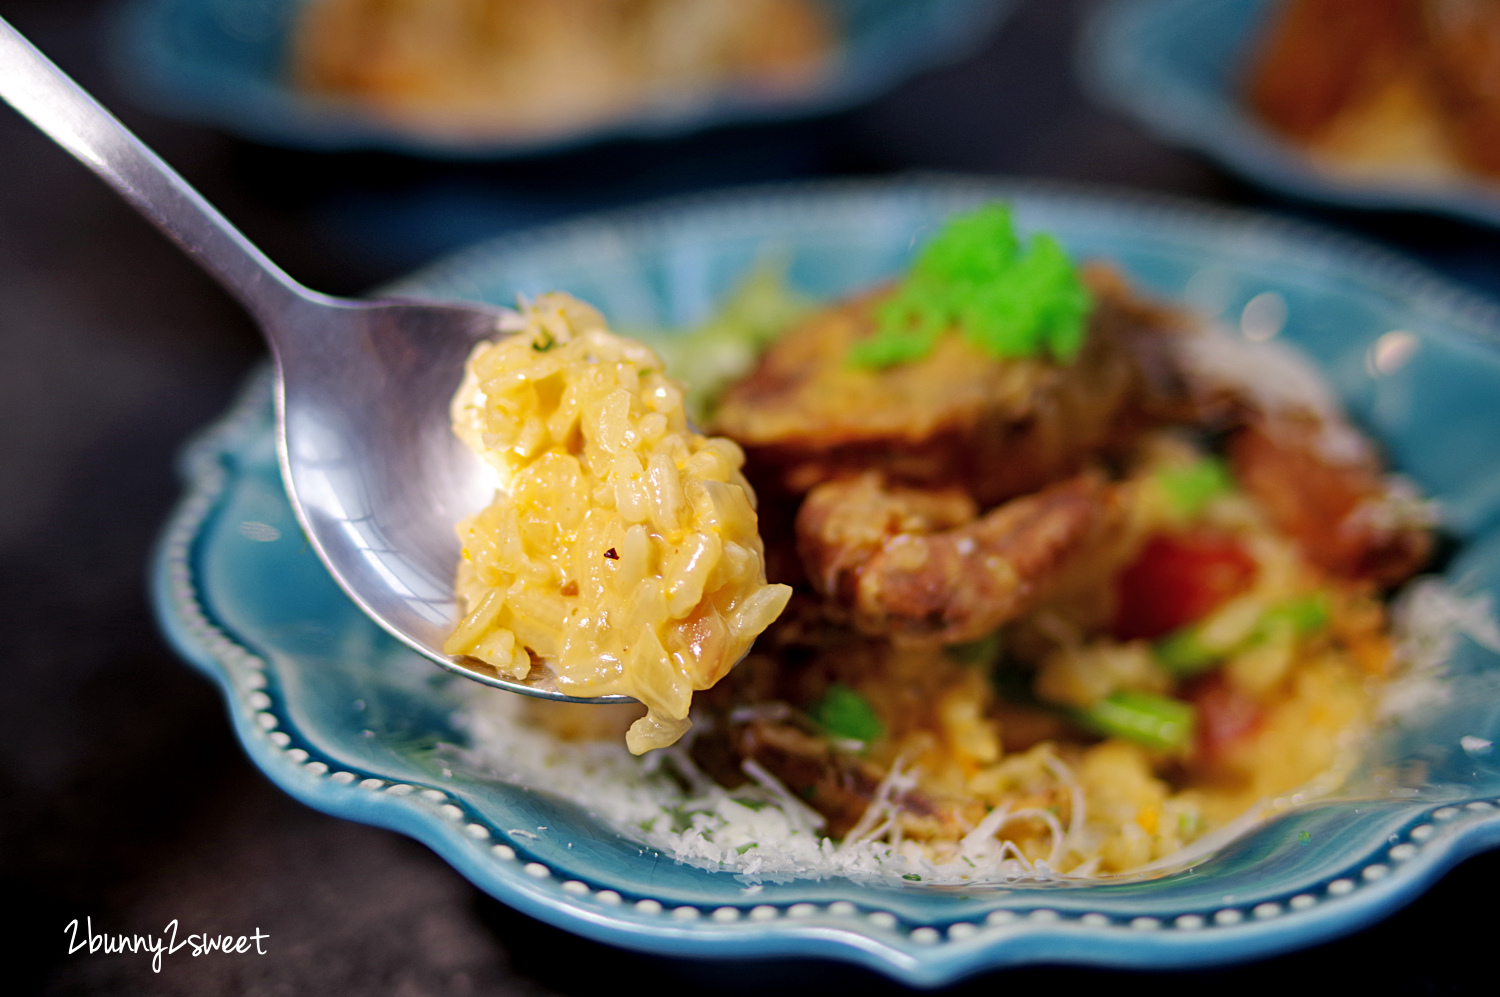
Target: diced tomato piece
x,y
1224,716
1179,579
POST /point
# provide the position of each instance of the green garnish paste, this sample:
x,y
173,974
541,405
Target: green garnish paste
x,y
976,277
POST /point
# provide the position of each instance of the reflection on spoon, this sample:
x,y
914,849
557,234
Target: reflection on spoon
x,y
371,466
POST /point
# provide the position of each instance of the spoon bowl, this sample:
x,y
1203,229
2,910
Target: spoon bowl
x,y
373,470
375,474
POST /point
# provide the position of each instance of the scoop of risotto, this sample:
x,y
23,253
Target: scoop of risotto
x,y
621,550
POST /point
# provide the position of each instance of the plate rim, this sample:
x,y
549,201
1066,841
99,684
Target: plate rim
x,y
914,953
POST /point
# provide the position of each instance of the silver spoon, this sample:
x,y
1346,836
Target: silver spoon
x,y
373,470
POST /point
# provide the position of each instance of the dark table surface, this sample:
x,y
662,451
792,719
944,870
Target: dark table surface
x,y
125,798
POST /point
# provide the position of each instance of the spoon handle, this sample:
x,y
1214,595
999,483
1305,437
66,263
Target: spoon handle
x,y
62,109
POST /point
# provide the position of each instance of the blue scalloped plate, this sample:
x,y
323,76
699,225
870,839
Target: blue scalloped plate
x,y
1178,66
345,719
222,62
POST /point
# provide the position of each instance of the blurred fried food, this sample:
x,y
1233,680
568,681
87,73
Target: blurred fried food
x,y
1404,89
1341,511
534,67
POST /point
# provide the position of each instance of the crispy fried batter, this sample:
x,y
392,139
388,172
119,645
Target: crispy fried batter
x,y
1464,36
1341,513
920,565
957,417
1329,70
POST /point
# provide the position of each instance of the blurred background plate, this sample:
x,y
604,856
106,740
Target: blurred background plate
x,y
345,719
224,63
1178,66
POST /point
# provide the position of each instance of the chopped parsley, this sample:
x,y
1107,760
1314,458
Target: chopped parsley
x,y
1191,487
712,356
1183,653
975,277
984,651
844,713
1306,615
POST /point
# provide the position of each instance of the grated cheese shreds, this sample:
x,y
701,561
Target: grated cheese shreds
x,y
762,832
